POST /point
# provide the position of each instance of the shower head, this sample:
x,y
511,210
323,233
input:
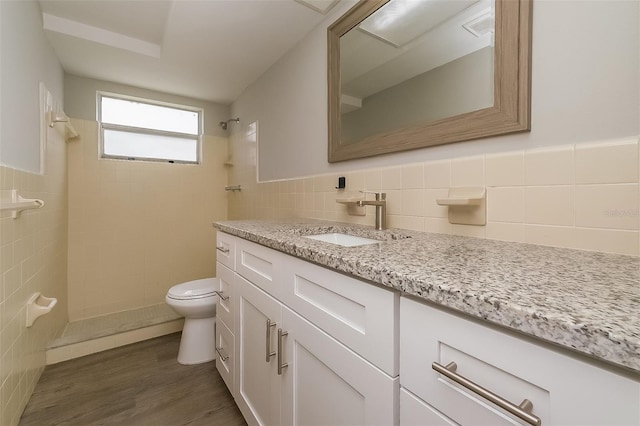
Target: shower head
x,y
223,124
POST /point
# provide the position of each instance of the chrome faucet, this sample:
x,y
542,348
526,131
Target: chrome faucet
x,y
381,207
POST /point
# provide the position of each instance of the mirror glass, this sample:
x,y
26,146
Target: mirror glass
x,y
408,74
413,62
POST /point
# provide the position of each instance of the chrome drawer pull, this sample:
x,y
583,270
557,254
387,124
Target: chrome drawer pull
x,y
221,295
281,365
522,411
223,357
222,249
269,353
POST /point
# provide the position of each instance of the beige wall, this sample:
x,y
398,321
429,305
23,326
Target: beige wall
x,y
33,259
462,85
27,59
583,91
137,228
80,101
583,196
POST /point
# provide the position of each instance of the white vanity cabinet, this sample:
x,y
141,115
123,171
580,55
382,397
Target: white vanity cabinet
x,y
564,390
314,346
298,368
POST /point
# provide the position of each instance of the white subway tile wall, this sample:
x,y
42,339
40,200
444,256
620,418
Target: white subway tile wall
x,y
33,259
611,163
504,169
507,204
505,231
467,171
413,176
607,206
583,196
549,205
549,166
437,174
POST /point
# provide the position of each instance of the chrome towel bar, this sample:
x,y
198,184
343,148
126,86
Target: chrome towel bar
x,y
522,411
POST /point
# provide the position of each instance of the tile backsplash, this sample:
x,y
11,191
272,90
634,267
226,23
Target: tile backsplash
x,y
583,196
33,259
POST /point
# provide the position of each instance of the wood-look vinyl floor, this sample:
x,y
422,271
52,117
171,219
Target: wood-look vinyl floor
x,y
139,384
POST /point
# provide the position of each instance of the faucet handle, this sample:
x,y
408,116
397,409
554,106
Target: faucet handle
x,y
379,195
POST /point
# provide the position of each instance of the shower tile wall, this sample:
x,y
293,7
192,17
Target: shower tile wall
x,y
583,196
33,259
138,228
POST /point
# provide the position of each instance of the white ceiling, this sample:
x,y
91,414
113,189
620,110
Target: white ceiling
x,y
205,49
371,64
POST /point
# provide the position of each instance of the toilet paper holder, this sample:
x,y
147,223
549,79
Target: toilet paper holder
x,y
39,305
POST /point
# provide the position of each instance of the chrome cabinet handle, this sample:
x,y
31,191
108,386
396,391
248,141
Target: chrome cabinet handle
x,y
522,411
222,249
281,364
223,357
221,295
268,351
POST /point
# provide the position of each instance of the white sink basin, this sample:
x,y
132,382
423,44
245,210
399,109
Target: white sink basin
x,y
344,240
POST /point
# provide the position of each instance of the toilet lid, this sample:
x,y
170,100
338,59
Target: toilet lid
x,y
194,289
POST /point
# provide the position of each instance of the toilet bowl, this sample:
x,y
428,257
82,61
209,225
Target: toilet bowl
x,y
196,301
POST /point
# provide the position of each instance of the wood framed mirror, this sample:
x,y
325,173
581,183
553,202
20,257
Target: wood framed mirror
x,y
381,102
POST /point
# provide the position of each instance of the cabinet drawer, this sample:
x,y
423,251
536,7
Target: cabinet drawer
x,y
225,304
564,390
225,354
260,265
415,412
226,249
360,315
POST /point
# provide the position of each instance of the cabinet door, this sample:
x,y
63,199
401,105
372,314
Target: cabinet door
x,y
225,303
258,385
325,383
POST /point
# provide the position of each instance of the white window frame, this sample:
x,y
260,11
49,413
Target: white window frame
x,y
153,132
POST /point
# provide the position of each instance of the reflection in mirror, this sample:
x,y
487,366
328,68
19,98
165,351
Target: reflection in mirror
x,y
407,74
415,61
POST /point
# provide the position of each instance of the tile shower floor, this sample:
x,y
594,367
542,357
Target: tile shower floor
x,y
111,324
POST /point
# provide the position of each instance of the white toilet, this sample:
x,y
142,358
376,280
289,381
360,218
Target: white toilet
x,y
196,301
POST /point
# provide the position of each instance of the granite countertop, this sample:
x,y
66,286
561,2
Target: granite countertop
x,y
586,301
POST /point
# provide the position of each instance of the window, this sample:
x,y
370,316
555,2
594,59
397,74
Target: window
x,y
140,129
